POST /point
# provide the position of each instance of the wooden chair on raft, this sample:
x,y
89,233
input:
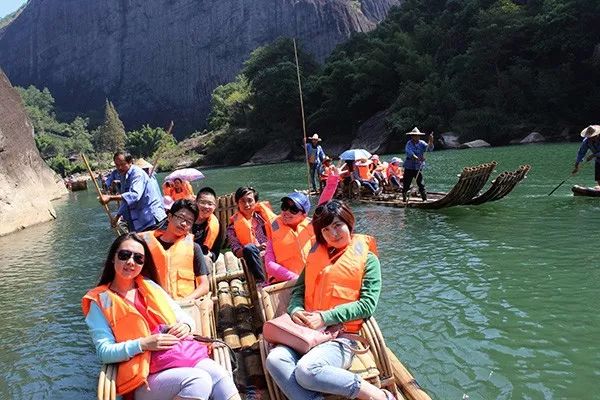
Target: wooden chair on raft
x,y
373,366
201,310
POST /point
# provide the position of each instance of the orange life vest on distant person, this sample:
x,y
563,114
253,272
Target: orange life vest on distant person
x,y
174,267
291,247
243,227
127,323
327,284
394,170
212,231
363,172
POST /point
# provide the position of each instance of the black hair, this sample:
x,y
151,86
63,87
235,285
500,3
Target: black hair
x,y
128,157
204,190
148,269
185,204
326,213
244,190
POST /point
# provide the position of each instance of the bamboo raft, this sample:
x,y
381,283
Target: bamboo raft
x,y
585,191
234,312
465,192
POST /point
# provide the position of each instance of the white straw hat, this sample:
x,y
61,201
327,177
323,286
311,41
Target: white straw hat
x,y
415,131
591,131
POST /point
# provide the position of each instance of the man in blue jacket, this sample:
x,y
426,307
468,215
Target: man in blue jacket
x,y
591,142
141,200
415,160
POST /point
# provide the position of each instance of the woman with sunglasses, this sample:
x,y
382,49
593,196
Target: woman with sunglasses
x,y
340,284
121,314
291,238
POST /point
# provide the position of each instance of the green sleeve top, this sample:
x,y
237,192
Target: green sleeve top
x,y
362,308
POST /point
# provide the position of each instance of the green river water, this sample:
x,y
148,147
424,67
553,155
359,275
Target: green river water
x,y
498,301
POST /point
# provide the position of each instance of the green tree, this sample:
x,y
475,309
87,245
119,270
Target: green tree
x,y
39,106
110,136
147,140
230,103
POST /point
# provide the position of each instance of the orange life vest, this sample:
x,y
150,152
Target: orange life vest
x,y
184,194
363,172
328,285
174,267
127,323
291,247
212,231
167,191
394,170
243,227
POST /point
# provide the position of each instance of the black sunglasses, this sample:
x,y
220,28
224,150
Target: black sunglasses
x,y
332,206
290,207
125,255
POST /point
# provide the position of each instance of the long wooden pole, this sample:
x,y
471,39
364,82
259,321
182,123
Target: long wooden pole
x,y
303,119
158,153
566,179
87,165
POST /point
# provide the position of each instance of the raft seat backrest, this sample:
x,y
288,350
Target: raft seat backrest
x,y
373,366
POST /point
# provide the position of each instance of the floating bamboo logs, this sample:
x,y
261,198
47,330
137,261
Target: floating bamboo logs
x,y
241,297
226,315
232,263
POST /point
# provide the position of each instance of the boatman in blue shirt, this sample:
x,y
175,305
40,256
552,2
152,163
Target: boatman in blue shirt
x,y
315,155
591,142
141,201
415,160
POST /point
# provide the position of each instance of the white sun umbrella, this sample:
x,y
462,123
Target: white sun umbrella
x,y
355,154
187,174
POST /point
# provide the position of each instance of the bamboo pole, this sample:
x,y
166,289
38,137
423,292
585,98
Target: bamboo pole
x,y
303,119
158,153
87,165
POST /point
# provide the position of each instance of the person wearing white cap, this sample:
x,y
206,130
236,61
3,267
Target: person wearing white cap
x,y
315,155
415,159
395,172
591,142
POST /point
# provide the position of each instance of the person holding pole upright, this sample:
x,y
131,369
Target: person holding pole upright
x,y
415,160
591,142
315,156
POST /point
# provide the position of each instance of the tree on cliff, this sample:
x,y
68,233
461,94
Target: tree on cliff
x,y
110,136
146,141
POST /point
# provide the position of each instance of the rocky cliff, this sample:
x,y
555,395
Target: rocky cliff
x,y
160,60
27,184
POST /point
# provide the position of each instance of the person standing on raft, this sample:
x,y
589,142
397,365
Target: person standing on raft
x,y
315,155
415,160
591,142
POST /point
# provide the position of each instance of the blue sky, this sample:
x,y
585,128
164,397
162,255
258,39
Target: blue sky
x,y
8,6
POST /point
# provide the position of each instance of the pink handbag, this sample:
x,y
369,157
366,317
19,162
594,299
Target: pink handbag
x,y
186,353
282,330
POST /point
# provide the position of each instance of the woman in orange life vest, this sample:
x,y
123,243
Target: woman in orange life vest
x,y
291,239
206,229
181,190
377,168
363,174
181,268
340,284
249,229
395,172
123,310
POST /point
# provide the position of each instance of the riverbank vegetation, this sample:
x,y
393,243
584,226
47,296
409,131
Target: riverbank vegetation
x,y
60,142
491,70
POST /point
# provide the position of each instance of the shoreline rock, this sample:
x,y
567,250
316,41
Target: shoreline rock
x,y
27,184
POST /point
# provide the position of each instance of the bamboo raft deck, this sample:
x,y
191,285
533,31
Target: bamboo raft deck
x,y
465,192
235,312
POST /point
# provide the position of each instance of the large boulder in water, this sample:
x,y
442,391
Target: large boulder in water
x,y
449,140
27,184
160,60
475,144
533,137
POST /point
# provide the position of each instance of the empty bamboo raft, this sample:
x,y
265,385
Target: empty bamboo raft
x,y
465,192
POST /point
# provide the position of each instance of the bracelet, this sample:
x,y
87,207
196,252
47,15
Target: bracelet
x,y
189,326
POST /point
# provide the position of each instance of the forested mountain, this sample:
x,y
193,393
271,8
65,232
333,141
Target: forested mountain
x,y
489,69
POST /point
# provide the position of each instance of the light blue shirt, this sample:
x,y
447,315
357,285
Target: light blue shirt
x,y
316,152
108,349
415,149
585,146
142,204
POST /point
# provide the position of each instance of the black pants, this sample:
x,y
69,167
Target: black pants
x,y
409,175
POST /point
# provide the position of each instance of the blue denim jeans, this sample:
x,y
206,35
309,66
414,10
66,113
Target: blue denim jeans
x,y
324,369
315,173
254,262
